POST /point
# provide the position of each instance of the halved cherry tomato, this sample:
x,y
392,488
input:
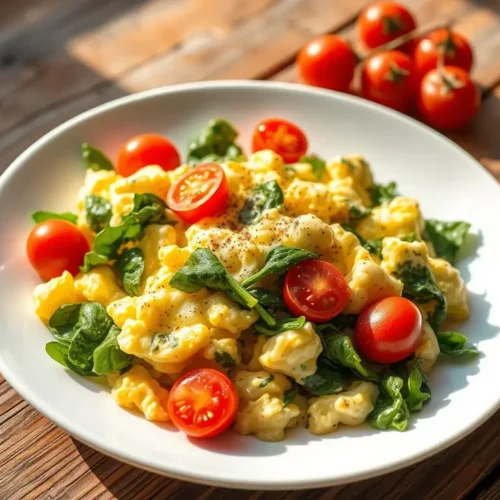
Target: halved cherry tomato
x,y
202,192
448,98
389,330
282,137
55,246
382,22
315,289
147,149
445,46
203,403
327,61
388,78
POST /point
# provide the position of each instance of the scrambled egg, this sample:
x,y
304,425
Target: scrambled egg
x,y
171,331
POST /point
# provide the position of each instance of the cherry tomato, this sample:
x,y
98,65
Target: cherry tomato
x,y
382,22
282,137
55,246
388,78
315,289
203,403
389,330
202,192
445,46
448,98
147,149
327,61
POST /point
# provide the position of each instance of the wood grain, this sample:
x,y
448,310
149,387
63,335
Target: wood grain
x,y
59,58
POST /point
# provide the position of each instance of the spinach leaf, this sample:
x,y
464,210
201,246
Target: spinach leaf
x,y
95,159
92,327
382,193
204,269
420,287
446,237
374,246
358,212
59,352
410,237
43,215
390,409
130,264
215,144
268,298
278,261
224,359
351,229
416,391
266,381
98,212
282,325
318,166
289,396
339,350
263,197
63,320
148,209
324,381
108,356
163,339
454,344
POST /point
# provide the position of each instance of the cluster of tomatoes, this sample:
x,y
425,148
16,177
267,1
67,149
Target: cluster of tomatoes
x,y
428,74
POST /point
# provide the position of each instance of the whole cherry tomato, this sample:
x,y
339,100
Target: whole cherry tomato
x,y
327,61
448,98
388,78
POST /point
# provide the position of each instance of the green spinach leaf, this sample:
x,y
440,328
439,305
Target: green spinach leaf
x,y
268,298
95,159
383,192
282,325
326,380
130,264
446,237
98,212
357,212
318,166
420,287
390,409
163,339
289,396
215,144
224,359
278,261
42,216
351,229
455,345
374,246
266,381
63,321
416,392
108,356
263,197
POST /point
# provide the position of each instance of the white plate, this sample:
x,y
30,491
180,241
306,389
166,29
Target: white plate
x,y
448,183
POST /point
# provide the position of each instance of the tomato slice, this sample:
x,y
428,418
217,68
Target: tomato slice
x,y
55,246
201,192
389,330
315,289
282,137
203,403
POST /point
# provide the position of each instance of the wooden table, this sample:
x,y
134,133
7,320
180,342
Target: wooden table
x,y
61,57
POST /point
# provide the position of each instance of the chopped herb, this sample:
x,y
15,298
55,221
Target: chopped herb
x,y
224,359
382,193
263,197
289,396
266,381
318,166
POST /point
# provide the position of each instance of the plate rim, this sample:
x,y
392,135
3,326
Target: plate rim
x,y
171,470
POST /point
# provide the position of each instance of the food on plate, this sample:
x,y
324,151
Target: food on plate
x,y
448,98
327,61
388,78
264,293
382,22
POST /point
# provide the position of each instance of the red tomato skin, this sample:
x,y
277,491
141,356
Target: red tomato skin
x,y
427,52
327,275
372,23
55,246
388,78
201,379
215,203
267,132
389,330
147,149
328,62
448,109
